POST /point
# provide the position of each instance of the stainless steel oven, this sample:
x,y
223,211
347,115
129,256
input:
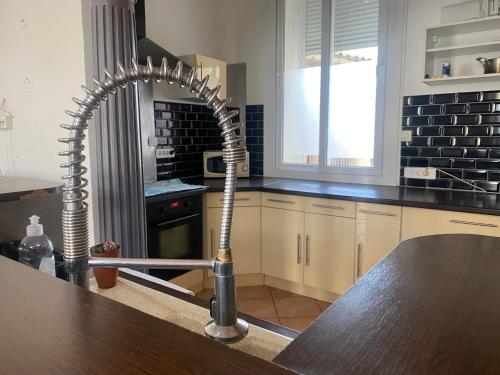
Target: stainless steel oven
x,y
174,230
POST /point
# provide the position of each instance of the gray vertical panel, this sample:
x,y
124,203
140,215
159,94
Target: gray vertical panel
x,y
119,207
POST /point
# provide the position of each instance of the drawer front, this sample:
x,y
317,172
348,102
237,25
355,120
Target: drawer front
x,y
331,207
378,212
424,222
241,199
287,202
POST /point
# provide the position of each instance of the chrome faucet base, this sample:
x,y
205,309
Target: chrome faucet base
x,y
227,334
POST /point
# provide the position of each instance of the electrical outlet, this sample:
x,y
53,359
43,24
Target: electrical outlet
x,y
405,135
427,173
165,152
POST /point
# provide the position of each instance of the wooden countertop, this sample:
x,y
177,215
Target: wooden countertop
x,y
49,326
431,307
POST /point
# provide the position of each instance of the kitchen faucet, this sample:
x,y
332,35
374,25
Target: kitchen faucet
x,y
226,326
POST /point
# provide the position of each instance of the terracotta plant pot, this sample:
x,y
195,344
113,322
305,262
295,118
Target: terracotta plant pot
x,y
106,277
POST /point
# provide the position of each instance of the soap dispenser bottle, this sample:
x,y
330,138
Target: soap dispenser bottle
x,y
36,250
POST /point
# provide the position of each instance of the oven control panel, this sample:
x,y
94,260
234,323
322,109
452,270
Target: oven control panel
x,y
172,207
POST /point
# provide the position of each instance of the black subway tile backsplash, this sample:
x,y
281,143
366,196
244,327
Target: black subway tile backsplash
x,y
455,109
458,133
475,175
419,120
491,96
480,107
442,141
490,119
467,97
476,153
467,120
429,130
489,186
466,141
443,98
454,130
488,164
442,120
429,110
452,152
420,100
428,151
192,129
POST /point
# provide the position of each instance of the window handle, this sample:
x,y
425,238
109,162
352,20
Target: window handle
x,y
474,223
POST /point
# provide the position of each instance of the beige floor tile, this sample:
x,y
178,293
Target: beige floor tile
x,y
298,323
258,307
290,307
205,294
323,305
277,293
258,291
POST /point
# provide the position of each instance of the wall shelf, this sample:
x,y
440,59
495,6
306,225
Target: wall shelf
x,y
461,43
462,79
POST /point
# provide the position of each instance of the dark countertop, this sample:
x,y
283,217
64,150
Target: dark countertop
x,y
50,326
14,188
432,306
463,201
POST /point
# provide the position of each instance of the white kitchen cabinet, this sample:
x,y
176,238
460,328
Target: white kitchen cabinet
x,y
245,237
377,234
329,252
282,243
419,222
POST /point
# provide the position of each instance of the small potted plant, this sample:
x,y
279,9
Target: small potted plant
x,y
106,277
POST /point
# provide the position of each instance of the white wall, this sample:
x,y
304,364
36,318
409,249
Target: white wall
x,y
41,68
423,14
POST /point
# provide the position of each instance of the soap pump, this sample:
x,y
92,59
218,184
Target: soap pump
x,y
36,250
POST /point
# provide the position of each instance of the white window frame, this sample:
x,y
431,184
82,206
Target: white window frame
x,y
390,50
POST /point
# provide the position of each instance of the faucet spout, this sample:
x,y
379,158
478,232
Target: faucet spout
x,y
226,326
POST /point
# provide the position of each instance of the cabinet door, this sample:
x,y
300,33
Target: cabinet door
x,y
419,222
245,237
329,252
282,240
374,240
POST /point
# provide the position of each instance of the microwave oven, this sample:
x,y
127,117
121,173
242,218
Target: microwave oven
x,y
214,166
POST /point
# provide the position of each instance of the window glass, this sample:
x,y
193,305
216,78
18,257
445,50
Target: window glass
x,y
301,81
353,83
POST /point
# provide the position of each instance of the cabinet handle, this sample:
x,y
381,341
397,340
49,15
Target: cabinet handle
x,y
308,256
379,213
474,223
358,265
212,242
238,199
299,248
279,201
327,206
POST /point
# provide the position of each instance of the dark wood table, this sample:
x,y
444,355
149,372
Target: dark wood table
x,y
49,326
431,307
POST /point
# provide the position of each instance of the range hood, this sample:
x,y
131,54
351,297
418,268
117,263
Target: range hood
x,y
145,46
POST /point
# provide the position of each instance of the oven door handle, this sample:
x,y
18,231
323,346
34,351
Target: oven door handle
x,y
176,220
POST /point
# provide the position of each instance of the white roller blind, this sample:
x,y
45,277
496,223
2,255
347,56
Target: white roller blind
x,y
313,27
355,25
